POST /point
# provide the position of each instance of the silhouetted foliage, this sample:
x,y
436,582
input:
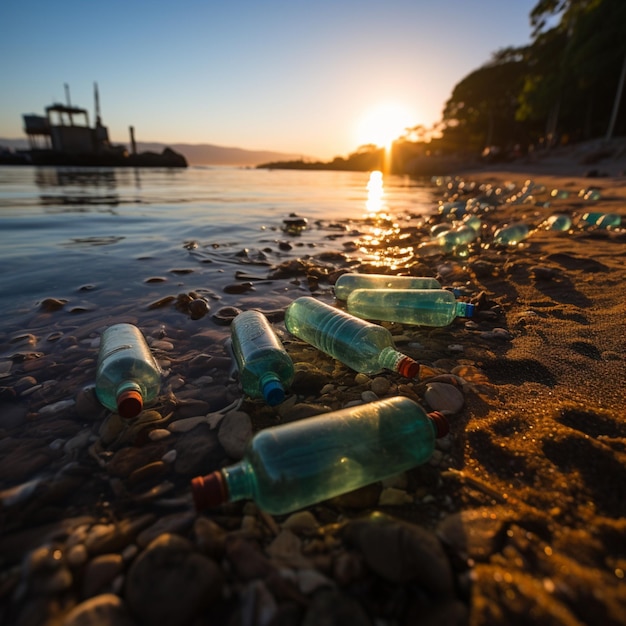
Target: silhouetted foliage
x,y
562,87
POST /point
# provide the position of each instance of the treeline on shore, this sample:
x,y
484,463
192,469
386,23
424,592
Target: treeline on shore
x,y
564,87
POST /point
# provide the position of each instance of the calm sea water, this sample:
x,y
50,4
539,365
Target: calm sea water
x,y
116,240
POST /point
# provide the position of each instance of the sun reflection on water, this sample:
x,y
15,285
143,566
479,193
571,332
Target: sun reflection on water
x,y
384,229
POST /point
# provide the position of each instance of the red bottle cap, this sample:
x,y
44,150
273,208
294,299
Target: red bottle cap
x,y
209,491
408,368
440,421
129,403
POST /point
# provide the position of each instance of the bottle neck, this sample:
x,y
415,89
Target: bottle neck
x,y
239,481
395,361
464,309
129,399
272,388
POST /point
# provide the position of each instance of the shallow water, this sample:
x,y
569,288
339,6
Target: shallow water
x,y
113,241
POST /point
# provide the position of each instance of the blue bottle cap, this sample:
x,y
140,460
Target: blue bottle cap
x,y
273,392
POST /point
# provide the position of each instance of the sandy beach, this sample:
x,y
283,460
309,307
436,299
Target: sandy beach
x,y
519,517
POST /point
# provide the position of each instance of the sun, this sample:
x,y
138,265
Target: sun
x,y
383,124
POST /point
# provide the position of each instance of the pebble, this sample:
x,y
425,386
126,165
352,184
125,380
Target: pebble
x,y
186,424
169,584
380,386
159,433
302,523
390,496
402,552
330,606
234,433
176,523
369,396
444,397
100,573
104,610
198,452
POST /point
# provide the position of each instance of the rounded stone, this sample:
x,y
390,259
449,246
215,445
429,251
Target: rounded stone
x,y
444,397
169,584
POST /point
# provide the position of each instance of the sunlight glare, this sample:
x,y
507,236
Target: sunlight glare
x,y
383,124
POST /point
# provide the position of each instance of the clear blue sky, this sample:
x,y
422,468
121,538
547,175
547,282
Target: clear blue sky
x,y
296,76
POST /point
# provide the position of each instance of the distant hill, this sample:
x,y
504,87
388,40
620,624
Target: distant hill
x,y
196,154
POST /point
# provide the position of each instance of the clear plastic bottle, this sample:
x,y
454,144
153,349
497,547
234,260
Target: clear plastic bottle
x,y
347,283
511,235
127,374
462,235
602,220
425,307
294,465
365,347
558,221
265,368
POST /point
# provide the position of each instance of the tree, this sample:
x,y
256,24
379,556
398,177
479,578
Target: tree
x,y
483,105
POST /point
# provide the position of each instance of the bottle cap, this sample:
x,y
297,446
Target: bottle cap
x,y
273,392
209,491
440,422
129,403
408,368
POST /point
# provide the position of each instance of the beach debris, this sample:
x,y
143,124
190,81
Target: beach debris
x,y
304,462
265,368
128,375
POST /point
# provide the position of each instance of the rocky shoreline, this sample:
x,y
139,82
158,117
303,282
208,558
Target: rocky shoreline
x,y
518,517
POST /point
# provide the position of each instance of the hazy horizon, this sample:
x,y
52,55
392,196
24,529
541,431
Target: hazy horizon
x,y
317,81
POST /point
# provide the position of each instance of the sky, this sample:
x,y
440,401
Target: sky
x,y
312,78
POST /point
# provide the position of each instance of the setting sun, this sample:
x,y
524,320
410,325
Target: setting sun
x,y
384,123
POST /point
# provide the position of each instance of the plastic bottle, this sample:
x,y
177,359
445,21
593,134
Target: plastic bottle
x,y
294,465
265,368
558,221
347,283
127,374
459,236
511,235
425,307
364,347
602,220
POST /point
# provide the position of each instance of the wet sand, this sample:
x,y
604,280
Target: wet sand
x,y
520,517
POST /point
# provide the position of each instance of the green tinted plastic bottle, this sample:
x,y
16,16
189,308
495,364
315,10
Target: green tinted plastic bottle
x,y
602,220
294,465
425,307
365,347
127,375
511,235
347,283
265,368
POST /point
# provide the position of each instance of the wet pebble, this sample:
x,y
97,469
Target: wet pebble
x,y
87,404
226,314
497,334
302,522
198,308
104,610
169,584
176,523
50,305
186,424
330,606
444,397
380,386
369,396
100,573
235,431
12,415
402,552
198,452
308,378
